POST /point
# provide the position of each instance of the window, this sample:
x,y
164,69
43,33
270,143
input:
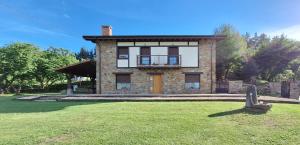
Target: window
x,y
123,53
123,81
173,56
173,60
145,55
192,81
145,60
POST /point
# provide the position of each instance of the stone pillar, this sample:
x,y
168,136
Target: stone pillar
x,y
69,85
235,87
98,69
295,90
207,65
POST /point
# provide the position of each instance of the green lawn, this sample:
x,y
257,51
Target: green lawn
x,y
122,123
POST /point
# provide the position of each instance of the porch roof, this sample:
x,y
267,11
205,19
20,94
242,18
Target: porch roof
x,y
85,69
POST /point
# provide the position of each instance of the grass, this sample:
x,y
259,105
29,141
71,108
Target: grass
x,y
23,122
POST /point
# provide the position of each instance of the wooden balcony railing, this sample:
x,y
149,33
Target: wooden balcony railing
x,y
159,61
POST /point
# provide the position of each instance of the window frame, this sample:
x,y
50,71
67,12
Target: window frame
x,y
118,52
129,81
173,54
192,82
142,55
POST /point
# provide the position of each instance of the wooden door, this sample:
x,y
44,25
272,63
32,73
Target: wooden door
x,y
157,84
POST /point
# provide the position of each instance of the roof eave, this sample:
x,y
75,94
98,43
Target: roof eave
x,y
154,38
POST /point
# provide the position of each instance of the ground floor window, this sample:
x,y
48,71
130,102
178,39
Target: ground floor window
x,y
123,81
192,81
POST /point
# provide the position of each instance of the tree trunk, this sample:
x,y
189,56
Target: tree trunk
x,y
226,73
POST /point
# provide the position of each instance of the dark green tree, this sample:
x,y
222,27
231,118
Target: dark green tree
x,y
275,57
85,54
230,51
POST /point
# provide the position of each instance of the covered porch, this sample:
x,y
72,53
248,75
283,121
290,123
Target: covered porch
x,y
82,69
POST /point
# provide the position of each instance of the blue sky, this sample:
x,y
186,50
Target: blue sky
x,y
61,23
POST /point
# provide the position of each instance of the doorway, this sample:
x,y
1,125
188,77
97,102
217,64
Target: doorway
x,y
285,89
157,84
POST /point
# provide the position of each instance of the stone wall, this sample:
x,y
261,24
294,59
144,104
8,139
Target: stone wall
x,y
275,88
235,87
141,83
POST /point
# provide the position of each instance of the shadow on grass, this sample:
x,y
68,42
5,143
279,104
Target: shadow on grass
x,y
237,111
8,104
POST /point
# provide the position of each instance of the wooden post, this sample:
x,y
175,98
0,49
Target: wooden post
x,y
69,85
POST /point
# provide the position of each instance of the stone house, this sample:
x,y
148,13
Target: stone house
x,y
162,64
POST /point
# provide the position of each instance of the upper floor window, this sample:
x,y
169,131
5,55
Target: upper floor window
x,y
173,56
123,53
145,55
192,81
123,81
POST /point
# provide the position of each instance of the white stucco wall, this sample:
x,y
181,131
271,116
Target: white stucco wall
x,y
122,62
189,56
133,53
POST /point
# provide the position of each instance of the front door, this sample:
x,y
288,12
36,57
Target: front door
x,y
157,84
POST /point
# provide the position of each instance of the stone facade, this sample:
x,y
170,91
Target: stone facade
x,y
173,79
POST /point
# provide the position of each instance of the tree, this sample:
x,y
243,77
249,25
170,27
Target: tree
x,y
229,50
16,63
45,65
84,54
285,75
249,70
276,56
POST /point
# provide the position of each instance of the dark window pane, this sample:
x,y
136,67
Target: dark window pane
x,y
123,53
173,51
123,81
173,55
123,78
192,81
145,51
192,78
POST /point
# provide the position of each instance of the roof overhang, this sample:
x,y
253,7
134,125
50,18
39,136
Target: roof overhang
x,y
84,69
154,38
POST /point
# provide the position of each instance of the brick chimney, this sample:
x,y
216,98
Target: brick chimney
x,y
106,30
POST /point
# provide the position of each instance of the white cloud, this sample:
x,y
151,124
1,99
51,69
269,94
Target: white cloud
x,y
11,27
292,32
